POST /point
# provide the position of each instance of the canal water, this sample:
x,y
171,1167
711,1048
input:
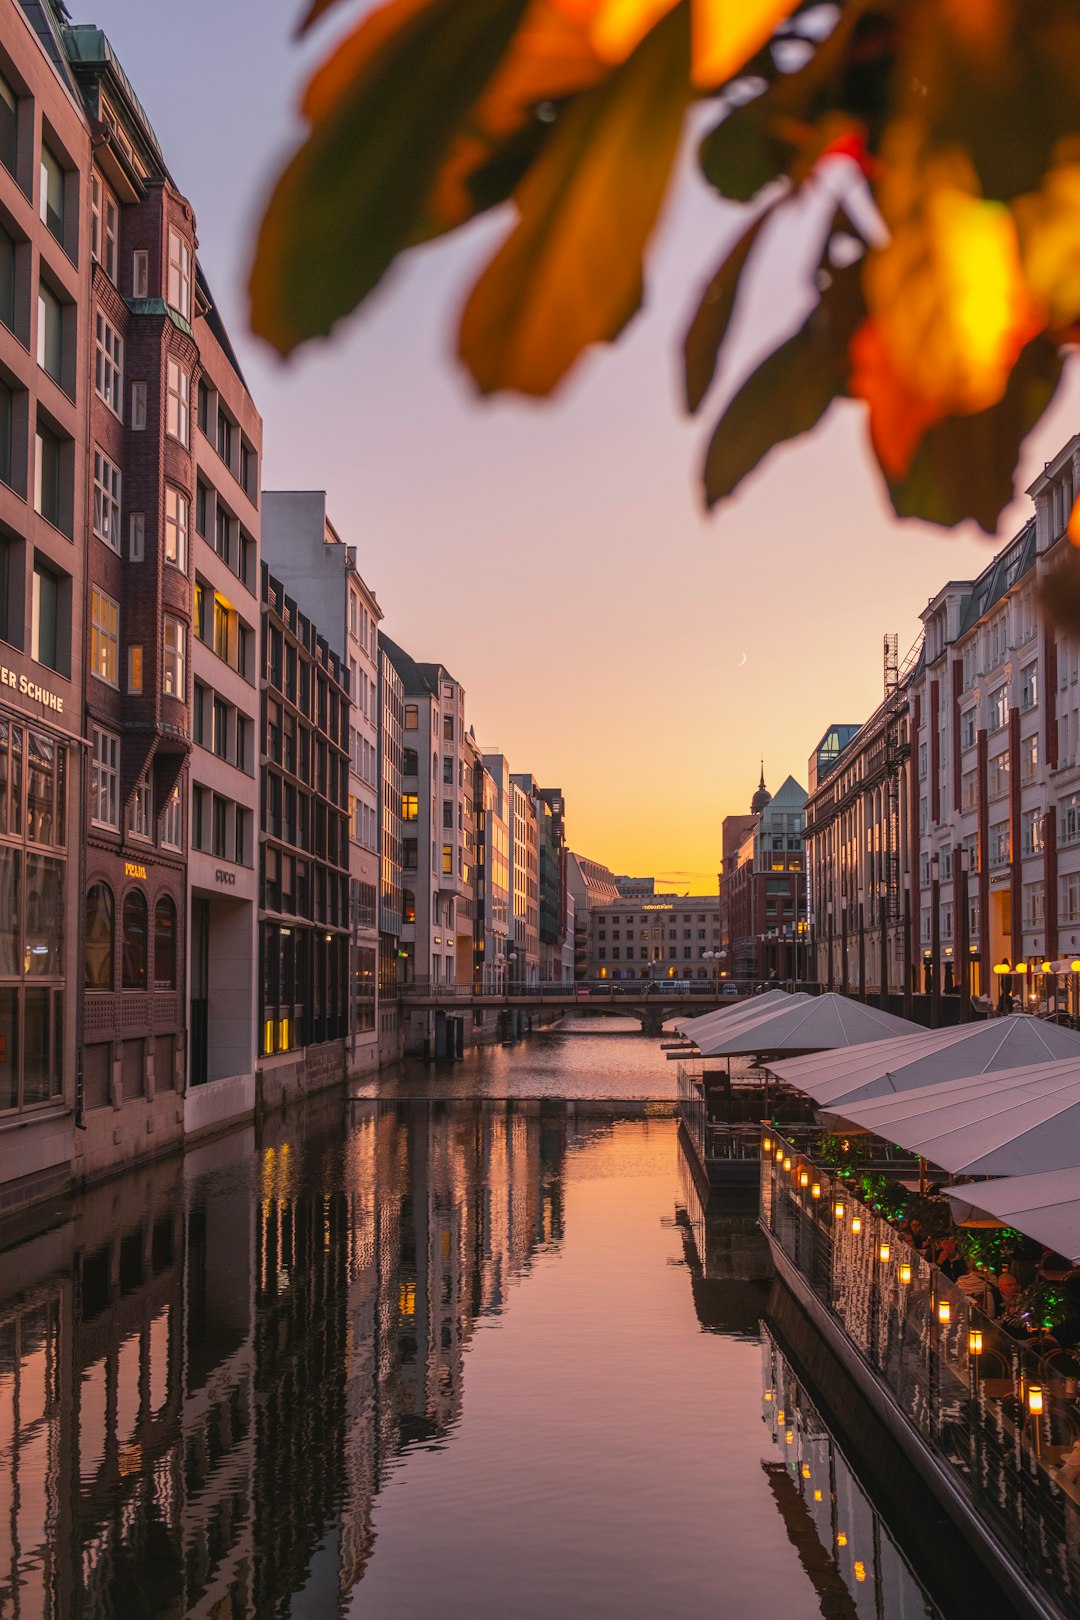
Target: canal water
x,y
425,1356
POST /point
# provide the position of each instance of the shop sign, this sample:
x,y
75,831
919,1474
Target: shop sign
x,y
30,689
133,870
221,876
667,907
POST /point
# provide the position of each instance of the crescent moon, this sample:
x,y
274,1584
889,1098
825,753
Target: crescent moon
x,y
742,660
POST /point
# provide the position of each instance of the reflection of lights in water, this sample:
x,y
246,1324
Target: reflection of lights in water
x,y
817,1496
841,1538
860,1570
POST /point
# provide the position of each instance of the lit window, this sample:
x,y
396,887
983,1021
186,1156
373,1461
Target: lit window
x,y
108,364
106,501
135,669
412,717
410,806
176,528
448,858
174,666
180,275
177,401
104,636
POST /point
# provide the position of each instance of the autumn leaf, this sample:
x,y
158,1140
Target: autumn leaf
x,y
963,466
570,273
351,198
1048,229
789,393
725,32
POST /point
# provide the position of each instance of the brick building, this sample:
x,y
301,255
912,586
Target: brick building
x,y
763,887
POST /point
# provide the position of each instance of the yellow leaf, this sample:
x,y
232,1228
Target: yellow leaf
x,y
947,294
725,32
570,273
1048,225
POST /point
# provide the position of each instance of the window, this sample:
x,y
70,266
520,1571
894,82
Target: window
x,y
1034,905
967,729
998,708
138,406
220,728
174,666
410,806
969,790
7,277
104,637
177,401
51,201
408,906
176,528
1029,686
140,273
165,944
105,779
134,668
448,728
1031,832
108,364
448,859
409,854
6,427
179,293
47,476
50,334
172,822
140,818
412,717
223,531
448,771
922,761
98,938
106,500
1029,758
134,948
999,844
46,642
104,222
224,437
1070,897
9,126
137,537
998,775
1069,822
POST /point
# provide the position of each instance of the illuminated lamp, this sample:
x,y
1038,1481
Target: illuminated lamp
x,y
804,1178
856,1225
838,1210
883,1252
1048,967
975,1341
1035,1398
779,1154
905,1273
815,1190
944,1312
1074,967
787,1164
766,1144
1001,968
1021,967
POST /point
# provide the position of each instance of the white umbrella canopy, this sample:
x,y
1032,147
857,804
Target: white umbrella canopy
x,y
1044,1206
927,1058
747,1004
1014,1122
808,1026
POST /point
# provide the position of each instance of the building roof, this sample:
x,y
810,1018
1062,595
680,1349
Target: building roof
x,y
414,676
999,576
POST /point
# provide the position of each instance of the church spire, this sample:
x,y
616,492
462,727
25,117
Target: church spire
x,y
762,796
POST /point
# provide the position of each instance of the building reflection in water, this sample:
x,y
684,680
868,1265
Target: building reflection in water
x,y
208,1366
843,1543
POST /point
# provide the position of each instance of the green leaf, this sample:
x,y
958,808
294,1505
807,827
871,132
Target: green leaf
x,y
738,156
352,196
570,273
964,466
790,392
703,341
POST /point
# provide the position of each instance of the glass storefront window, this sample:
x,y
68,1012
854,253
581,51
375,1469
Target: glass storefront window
x,y
9,1047
44,947
165,944
135,940
99,938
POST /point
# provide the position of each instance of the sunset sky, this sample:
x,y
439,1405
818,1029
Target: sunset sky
x,y
555,557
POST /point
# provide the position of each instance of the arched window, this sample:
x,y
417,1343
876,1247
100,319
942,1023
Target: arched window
x,y
408,906
99,937
165,944
135,940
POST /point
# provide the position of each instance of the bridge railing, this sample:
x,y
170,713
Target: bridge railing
x,y
588,991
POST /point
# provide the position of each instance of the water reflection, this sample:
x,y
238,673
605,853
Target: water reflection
x,y
397,1359
844,1545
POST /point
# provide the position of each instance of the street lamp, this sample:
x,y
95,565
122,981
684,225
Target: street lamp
x,y
963,855
511,958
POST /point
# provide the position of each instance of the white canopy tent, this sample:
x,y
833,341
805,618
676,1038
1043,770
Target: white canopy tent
x,y
1013,1122
807,1026
749,1006
927,1058
1044,1206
